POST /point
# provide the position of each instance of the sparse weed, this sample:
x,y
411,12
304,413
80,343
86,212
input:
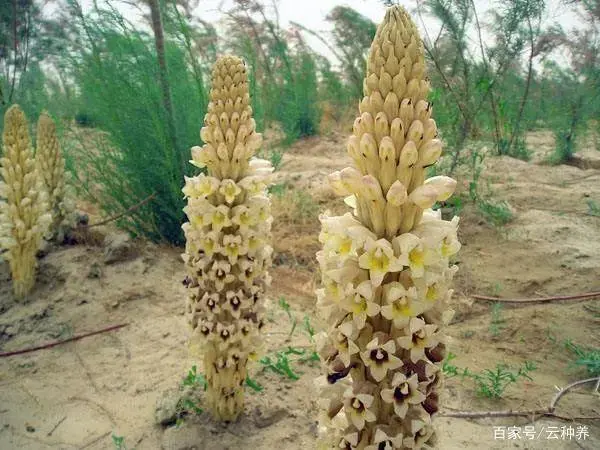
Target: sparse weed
x,y
489,383
119,442
493,383
305,206
497,213
586,357
280,363
286,307
278,189
593,208
518,149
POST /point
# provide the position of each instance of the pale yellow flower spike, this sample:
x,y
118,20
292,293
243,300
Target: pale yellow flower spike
x,y
23,202
228,248
51,167
386,280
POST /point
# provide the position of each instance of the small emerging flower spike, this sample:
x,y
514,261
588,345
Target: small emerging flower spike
x,y
51,167
228,249
23,202
385,269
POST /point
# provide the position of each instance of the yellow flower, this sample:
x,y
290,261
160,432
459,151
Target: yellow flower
x,y
233,246
218,218
209,243
400,304
379,260
361,303
229,190
414,253
244,217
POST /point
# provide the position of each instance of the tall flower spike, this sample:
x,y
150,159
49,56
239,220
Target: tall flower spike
x,y
51,167
227,239
23,202
386,287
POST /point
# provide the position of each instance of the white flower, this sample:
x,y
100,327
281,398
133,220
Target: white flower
x,y
420,337
403,392
358,403
379,356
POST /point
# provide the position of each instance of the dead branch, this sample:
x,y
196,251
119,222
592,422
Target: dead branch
x,y
127,211
534,414
54,344
588,295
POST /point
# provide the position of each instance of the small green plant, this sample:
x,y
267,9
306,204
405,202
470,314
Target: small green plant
x,y
489,383
194,379
518,150
283,304
278,189
280,364
593,208
497,213
493,383
496,322
253,384
586,357
276,158
119,442
564,149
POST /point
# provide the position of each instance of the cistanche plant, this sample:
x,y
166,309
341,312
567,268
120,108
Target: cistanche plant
x,y
23,202
228,250
51,167
385,268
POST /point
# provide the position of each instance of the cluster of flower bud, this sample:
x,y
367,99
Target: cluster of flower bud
x,y
23,202
385,268
227,239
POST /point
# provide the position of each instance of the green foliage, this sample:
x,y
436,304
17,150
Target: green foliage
x,y
586,357
593,208
490,383
119,442
116,70
284,84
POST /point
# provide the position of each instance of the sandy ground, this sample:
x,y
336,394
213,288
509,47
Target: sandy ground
x,y
77,395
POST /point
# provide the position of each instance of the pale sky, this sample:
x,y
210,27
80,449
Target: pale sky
x,y
311,14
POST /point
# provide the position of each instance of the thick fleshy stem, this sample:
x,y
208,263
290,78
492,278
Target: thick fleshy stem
x,y
228,250
385,269
51,167
23,207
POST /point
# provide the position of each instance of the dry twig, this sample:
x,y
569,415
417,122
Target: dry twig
x,y
586,296
124,213
534,414
54,344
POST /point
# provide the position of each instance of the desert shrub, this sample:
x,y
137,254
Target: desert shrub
x,y
116,70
